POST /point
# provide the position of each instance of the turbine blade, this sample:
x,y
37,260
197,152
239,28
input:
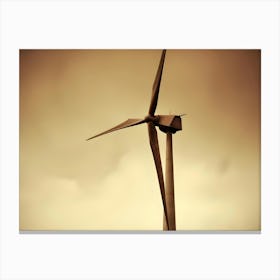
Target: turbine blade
x,y
156,85
156,154
127,123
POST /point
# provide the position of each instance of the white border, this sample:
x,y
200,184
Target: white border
x,y
135,24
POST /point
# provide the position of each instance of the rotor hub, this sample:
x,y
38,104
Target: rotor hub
x,y
153,119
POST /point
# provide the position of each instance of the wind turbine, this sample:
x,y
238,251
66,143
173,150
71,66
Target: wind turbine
x,y
168,124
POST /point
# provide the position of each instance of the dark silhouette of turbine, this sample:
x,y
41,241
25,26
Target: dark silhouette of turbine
x,y
168,124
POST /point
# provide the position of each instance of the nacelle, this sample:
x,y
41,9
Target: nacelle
x,y
169,123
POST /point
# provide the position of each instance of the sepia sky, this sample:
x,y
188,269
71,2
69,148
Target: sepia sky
x,y
110,183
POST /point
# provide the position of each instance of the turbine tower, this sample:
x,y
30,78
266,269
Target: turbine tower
x,y
168,124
